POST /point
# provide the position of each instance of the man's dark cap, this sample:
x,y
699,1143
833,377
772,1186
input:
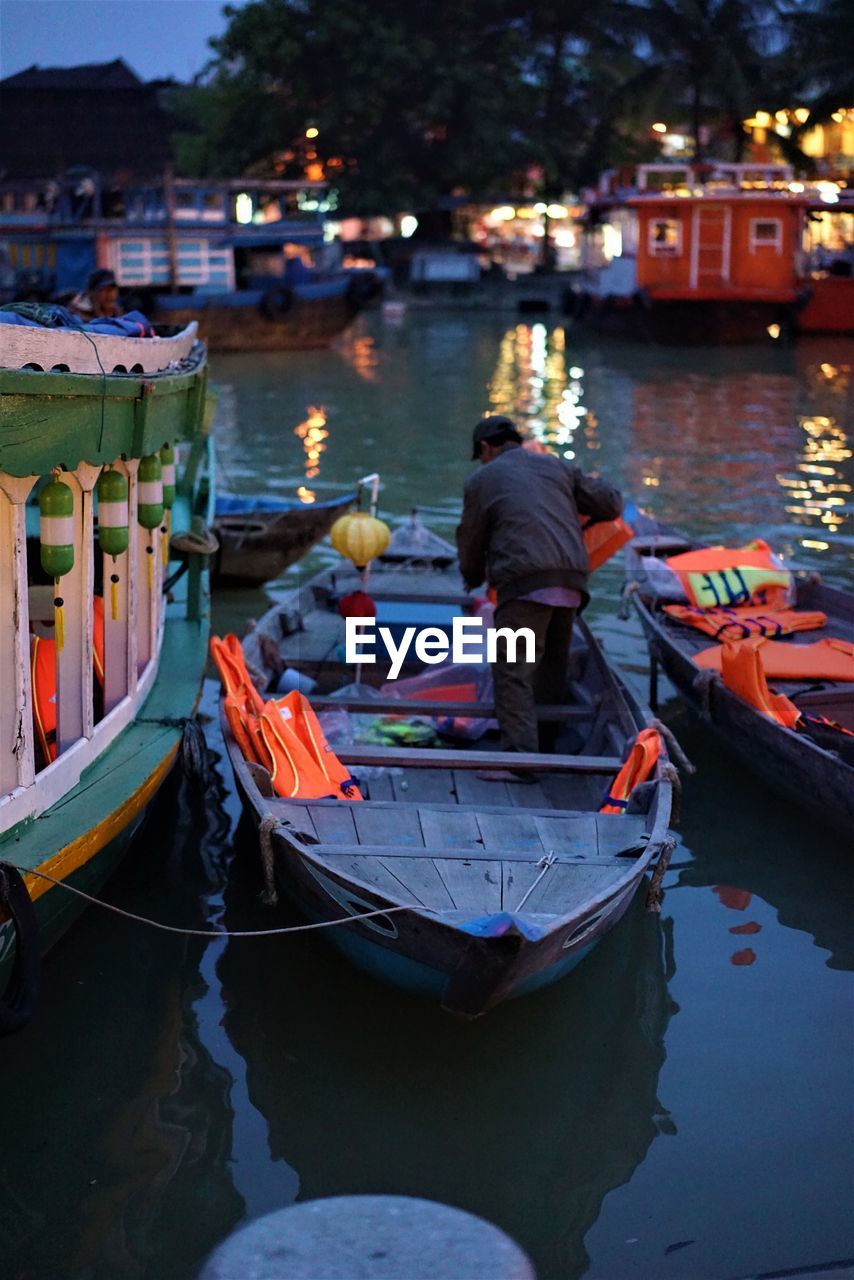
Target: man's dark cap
x,y
100,279
496,429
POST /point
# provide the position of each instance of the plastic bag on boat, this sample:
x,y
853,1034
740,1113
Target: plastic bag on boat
x,y
450,682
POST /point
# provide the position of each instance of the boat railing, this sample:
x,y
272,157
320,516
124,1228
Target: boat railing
x,y
131,601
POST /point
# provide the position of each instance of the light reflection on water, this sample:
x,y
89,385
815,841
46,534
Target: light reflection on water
x,y
687,1086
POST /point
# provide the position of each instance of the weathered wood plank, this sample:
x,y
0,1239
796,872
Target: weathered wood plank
x,y
527,795
565,886
368,869
581,792
575,837
510,833
461,854
416,785
397,826
439,758
418,706
474,884
334,823
516,879
618,831
298,817
421,880
444,830
377,787
478,792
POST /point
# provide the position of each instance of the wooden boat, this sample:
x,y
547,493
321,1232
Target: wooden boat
x,y
301,317
813,768
70,818
493,888
260,537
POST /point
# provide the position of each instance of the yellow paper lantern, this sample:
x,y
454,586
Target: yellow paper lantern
x,y
360,537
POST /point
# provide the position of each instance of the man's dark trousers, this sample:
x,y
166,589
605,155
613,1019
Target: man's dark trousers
x,y
521,686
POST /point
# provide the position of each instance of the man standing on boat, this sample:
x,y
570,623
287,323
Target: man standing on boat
x,y
520,531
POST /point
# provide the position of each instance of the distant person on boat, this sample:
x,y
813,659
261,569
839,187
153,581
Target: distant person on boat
x,y
100,299
520,532
297,270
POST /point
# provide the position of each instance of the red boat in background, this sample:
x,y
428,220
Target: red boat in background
x,y
718,253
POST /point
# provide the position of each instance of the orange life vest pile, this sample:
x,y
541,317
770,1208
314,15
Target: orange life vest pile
x,y
282,734
743,597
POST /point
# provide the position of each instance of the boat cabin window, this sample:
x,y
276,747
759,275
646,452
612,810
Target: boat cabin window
x,y
766,233
665,237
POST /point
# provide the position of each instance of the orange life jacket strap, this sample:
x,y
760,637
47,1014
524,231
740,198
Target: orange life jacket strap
x,y
640,763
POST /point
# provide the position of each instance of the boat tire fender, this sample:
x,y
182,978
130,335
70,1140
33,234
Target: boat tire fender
x,y
276,302
18,1001
194,753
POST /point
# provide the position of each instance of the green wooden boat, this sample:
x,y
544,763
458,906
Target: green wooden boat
x,y
112,649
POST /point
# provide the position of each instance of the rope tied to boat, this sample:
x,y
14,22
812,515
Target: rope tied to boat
x,y
219,933
669,773
631,588
673,747
545,864
653,897
266,827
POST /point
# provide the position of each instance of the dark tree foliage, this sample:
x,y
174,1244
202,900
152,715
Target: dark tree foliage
x,y
414,102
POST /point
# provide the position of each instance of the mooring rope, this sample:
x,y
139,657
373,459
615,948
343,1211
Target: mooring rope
x,y
653,897
216,933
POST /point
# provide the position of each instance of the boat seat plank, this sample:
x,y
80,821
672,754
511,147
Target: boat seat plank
x,y
474,885
616,832
439,758
444,830
516,831
575,836
420,880
419,706
334,823
397,825
476,791
567,885
416,785
479,854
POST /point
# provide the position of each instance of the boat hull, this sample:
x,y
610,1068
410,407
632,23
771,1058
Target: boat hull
x,y
256,546
682,321
243,326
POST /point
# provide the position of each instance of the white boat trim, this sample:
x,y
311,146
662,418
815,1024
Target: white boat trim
x,y
75,351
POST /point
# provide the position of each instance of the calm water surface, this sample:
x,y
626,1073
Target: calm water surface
x,y
680,1107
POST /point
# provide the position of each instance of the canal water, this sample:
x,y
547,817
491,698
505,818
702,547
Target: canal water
x,y
680,1107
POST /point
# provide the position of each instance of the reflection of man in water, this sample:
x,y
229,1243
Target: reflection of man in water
x,y
100,299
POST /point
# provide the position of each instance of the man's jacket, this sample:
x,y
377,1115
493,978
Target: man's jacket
x,y
520,528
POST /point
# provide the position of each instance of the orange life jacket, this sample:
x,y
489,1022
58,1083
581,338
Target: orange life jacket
x,y
301,761
243,724
43,679
715,577
231,665
603,539
823,660
738,624
640,763
743,675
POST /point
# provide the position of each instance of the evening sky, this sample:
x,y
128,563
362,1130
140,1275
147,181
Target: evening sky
x,y
156,38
